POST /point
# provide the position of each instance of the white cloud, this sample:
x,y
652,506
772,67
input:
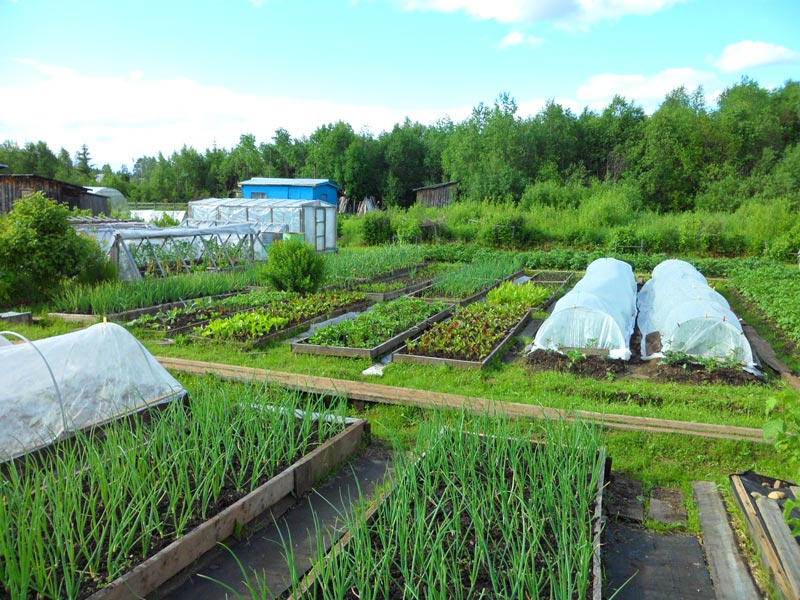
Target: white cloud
x,y
647,91
748,54
125,117
515,38
576,12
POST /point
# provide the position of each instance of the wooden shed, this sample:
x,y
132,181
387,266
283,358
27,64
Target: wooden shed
x,y
13,187
437,196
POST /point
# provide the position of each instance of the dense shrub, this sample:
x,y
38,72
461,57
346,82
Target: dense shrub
x,y
376,229
505,231
40,251
294,266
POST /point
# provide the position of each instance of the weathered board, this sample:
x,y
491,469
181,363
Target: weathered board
x,y
729,572
384,394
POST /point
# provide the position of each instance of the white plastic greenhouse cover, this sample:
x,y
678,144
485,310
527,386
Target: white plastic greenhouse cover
x,y
599,312
678,305
102,372
315,219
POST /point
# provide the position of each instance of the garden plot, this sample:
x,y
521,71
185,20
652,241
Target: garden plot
x,y
475,334
283,318
123,301
375,332
472,282
408,281
491,515
198,313
118,514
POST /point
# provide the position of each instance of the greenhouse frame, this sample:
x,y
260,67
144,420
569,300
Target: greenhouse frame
x,y
315,220
150,251
598,313
680,312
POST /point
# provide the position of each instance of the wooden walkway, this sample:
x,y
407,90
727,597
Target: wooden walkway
x,y
373,392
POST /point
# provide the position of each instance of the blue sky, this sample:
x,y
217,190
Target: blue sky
x,y
137,78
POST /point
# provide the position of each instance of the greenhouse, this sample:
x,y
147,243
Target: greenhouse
x,y
679,312
140,251
314,219
598,313
74,381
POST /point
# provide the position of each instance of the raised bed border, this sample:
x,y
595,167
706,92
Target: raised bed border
x,y
469,300
409,289
296,481
134,313
777,549
308,583
420,359
291,330
303,347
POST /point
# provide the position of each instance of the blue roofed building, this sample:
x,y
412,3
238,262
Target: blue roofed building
x,y
290,189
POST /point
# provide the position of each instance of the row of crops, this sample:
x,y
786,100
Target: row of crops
x,y
775,289
477,516
82,514
351,268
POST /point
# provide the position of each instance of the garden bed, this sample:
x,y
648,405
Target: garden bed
x,y
487,516
762,500
135,313
427,292
145,497
303,346
448,352
293,482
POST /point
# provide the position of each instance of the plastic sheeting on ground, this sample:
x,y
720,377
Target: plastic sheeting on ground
x,y
102,373
679,312
599,312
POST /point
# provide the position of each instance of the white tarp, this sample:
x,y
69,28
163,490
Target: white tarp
x,y
678,306
599,312
102,373
315,219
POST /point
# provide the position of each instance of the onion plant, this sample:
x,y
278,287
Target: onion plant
x,y
478,516
352,265
92,508
474,277
117,296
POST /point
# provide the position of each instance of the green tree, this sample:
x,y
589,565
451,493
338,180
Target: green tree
x,y
294,266
404,153
40,251
363,168
327,152
82,164
677,146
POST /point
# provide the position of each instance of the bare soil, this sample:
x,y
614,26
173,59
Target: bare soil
x,y
602,367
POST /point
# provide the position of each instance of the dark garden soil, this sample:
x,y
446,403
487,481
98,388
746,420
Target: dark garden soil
x,y
602,367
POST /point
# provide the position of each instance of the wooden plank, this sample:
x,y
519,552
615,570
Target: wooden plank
x,y
786,548
667,506
758,534
146,577
311,467
730,574
383,394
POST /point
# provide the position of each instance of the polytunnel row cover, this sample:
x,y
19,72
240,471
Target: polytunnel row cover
x,y
679,312
599,312
102,373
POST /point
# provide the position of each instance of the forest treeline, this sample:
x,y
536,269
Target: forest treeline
x,y
684,156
